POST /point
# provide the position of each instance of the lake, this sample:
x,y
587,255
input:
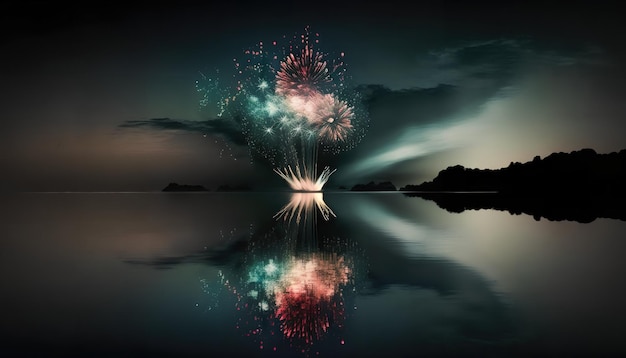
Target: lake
x,y
281,274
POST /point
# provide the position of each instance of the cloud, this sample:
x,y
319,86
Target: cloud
x,y
500,60
410,124
229,129
459,83
415,142
408,105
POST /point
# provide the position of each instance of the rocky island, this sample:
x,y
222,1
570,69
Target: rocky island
x,y
372,186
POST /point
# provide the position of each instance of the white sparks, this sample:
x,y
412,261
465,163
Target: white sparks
x,y
271,108
304,203
300,181
271,267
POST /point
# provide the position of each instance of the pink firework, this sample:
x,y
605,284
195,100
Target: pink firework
x,y
300,75
307,317
333,119
309,298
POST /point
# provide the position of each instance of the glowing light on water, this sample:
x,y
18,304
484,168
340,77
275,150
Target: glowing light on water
x,y
305,302
305,203
270,268
293,285
304,293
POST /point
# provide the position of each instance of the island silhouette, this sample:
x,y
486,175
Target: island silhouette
x,y
373,186
577,186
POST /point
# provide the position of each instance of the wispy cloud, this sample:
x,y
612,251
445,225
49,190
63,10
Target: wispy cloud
x,y
227,128
498,61
415,142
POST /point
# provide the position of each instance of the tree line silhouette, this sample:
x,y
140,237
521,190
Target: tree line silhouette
x,y
582,172
578,186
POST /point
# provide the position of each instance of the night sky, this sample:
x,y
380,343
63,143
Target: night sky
x,y
473,83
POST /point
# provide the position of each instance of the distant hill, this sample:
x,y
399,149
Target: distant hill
x,y
579,172
372,186
177,187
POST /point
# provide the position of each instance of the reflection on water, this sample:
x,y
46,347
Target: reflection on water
x,y
301,276
293,280
267,274
305,202
582,207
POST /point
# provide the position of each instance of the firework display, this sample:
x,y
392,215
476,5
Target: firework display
x,y
302,292
296,285
301,204
290,101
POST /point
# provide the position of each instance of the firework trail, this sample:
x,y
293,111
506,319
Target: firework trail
x,y
290,101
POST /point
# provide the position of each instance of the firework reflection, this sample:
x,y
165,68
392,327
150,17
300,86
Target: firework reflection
x,y
308,299
295,277
304,203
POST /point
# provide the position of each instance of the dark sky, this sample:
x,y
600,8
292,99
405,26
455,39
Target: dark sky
x,y
479,84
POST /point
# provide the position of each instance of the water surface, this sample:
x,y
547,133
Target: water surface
x,y
265,274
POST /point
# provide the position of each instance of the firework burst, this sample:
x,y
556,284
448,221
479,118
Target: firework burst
x,y
290,100
301,180
302,74
332,119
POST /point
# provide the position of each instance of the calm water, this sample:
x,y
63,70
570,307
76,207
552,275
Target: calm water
x,y
240,274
